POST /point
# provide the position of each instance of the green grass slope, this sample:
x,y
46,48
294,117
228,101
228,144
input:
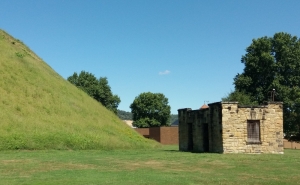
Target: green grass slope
x,y
41,110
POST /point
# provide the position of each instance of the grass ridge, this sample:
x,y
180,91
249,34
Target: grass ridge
x,y
41,110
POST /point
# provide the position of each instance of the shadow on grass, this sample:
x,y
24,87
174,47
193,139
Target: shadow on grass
x,y
192,152
172,150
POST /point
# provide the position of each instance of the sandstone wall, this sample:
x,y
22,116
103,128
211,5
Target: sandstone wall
x,y
234,128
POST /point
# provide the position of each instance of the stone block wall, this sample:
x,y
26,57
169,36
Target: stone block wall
x,y
183,131
225,126
197,141
234,128
192,128
215,128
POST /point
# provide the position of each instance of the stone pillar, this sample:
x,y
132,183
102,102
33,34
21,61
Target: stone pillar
x,y
183,129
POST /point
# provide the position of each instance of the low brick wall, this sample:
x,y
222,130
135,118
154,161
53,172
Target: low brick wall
x,y
290,145
169,135
143,131
164,135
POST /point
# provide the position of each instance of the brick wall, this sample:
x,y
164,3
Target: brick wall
x,y
168,135
164,135
154,133
143,131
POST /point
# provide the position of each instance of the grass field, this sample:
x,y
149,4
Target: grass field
x,y
154,166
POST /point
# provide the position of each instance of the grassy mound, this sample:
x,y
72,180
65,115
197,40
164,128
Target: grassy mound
x,y
41,110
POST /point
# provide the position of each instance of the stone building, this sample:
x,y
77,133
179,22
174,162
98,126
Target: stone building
x,y
227,127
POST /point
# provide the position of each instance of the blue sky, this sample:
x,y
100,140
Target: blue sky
x,y
188,50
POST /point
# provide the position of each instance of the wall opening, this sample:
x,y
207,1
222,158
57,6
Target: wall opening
x,y
190,137
253,132
205,138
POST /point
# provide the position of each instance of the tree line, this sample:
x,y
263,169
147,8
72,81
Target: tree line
x,y
123,115
147,110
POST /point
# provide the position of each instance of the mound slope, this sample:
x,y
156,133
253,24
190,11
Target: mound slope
x,y
41,110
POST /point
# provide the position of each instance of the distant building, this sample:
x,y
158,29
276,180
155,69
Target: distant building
x,y
129,123
227,127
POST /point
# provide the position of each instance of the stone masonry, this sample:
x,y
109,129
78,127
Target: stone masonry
x,y
227,127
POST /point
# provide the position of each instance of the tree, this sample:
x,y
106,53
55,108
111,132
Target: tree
x,y
106,97
241,97
273,63
87,82
97,89
150,110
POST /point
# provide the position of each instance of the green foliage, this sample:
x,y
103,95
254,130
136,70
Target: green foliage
x,y
106,97
41,110
97,89
150,110
87,82
146,122
273,63
20,55
123,115
241,97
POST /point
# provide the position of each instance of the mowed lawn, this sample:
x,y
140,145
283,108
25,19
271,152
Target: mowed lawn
x,y
156,166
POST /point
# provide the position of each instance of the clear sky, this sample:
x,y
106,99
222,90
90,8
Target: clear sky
x,y
188,50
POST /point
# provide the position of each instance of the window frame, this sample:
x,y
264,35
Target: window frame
x,y
253,132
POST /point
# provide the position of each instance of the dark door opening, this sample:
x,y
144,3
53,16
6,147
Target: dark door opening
x,y
190,137
205,138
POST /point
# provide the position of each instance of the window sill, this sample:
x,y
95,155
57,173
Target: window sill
x,y
253,142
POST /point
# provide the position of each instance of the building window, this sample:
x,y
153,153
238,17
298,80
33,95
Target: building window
x,y
253,132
